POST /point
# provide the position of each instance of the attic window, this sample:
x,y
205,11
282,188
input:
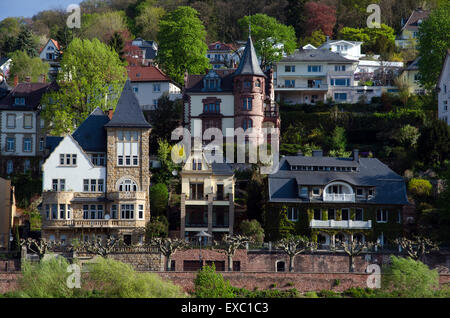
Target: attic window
x,y
19,101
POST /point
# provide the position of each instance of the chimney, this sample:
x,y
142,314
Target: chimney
x,y
356,155
28,79
16,80
110,113
317,153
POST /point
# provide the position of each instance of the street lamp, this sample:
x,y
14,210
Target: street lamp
x,y
200,235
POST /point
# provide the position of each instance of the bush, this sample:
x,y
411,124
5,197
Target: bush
x,y
328,294
420,187
358,292
158,198
253,230
209,284
268,293
406,277
157,227
311,294
117,279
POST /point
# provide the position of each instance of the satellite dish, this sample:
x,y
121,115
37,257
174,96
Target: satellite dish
x,y
174,172
107,217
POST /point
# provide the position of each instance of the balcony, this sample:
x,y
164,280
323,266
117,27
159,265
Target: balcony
x,y
347,224
93,223
317,87
137,195
338,197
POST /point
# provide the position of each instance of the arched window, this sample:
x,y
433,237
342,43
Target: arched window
x,y
247,123
127,185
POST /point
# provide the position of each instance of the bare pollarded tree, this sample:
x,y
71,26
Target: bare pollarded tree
x,y
294,246
229,245
168,246
353,248
417,247
39,247
98,247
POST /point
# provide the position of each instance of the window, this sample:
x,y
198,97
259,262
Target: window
x,y
127,211
156,87
382,215
196,191
47,212
359,192
247,84
211,107
62,184
42,123
140,211
28,121
127,185
399,217
314,68
10,121
304,192
93,185
41,144
258,83
27,144
339,68
9,167
196,165
127,148
98,159
100,212
370,192
359,214
55,184
289,68
135,89
62,211
100,187
316,191
331,214
317,214
247,123
85,212
345,213
19,101
340,96
10,144
86,185
293,214
54,211
26,165
68,211
67,159
289,83
340,81
247,103
114,211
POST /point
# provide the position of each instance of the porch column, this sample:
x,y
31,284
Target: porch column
x,y
182,215
210,217
231,214
333,239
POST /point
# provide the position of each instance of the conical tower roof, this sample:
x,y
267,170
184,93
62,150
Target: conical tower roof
x,y
128,113
249,64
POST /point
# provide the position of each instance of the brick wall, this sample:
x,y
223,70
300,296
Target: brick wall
x,y
8,281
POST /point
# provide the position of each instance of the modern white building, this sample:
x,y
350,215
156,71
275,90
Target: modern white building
x,y
222,55
443,89
149,83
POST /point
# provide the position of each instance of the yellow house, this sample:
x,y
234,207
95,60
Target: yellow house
x,y
410,76
7,212
409,31
207,198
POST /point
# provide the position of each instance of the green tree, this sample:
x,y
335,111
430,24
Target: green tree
x,y
209,284
9,29
405,277
158,198
443,224
338,142
26,42
253,230
295,17
270,37
147,22
316,39
420,187
434,143
96,78
375,40
117,44
157,227
182,44
433,42
102,26
164,174
294,246
23,65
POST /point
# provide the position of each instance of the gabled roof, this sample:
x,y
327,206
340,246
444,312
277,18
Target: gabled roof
x,y
3,60
222,46
90,135
284,184
55,43
318,55
51,142
446,60
195,82
31,91
412,24
147,74
249,65
128,113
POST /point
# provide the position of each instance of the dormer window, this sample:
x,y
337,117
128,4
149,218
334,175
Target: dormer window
x,y
19,101
211,81
217,46
304,192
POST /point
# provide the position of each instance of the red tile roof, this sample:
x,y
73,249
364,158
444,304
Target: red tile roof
x,y
54,42
146,74
413,22
222,47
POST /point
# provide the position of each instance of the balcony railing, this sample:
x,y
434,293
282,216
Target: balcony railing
x,y
338,197
133,195
94,223
303,87
347,224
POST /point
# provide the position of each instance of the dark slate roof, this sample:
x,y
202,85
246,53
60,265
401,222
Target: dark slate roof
x,y
195,82
317,55
4,89
3,60
249,65
390,187
222,169
32,92
51,142
90,135
128,113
